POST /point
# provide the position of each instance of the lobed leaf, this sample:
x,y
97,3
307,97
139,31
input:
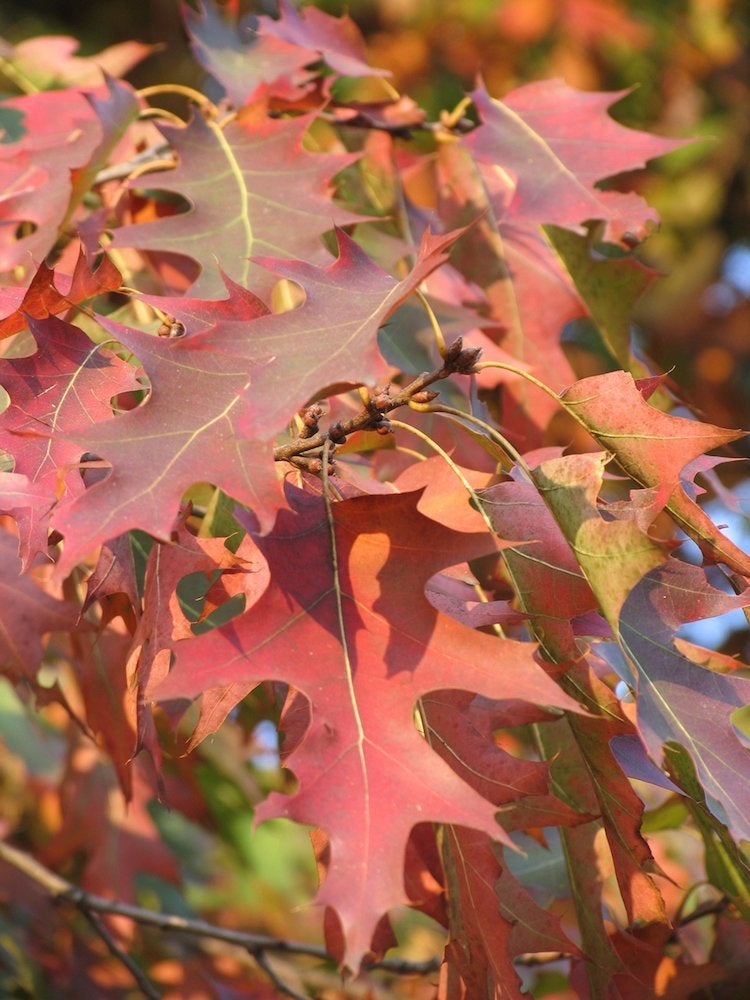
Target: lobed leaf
x,y
253,190
356,635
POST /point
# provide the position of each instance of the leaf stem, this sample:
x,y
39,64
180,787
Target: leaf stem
x,y
170,116
178,88
439,338
488,429
480,365
23,82
451,465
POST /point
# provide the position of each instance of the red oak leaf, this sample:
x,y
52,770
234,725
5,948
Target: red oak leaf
x,y
183,433
245,63
652,972
337,39
26,614
646,599
197,315
252,189
50,60
547,579
478,962
162,618
444,496
328,341
529,295
51,292
156,450
556,143
127,843
586,748
493,919
44,173
554,590
653,448
345,620
609,286
67,385
679,701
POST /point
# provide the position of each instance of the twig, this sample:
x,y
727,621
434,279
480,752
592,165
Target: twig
x,y
458,360
710,908
87,902
262,959
404,967
144,983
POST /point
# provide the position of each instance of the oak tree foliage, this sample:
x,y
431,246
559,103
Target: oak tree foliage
x,y
314,351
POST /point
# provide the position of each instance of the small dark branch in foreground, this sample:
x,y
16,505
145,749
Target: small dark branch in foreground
x,y
257,945
458,360
144,983
713,907
403,967
262,960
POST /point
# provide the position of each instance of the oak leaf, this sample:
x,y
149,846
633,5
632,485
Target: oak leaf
x,y
65,386
253,190
246,375
345,620
337,39
555,143
654,449
67,136
27,614
245,63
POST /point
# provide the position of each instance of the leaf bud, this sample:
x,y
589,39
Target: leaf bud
x,y
466,360
336,432
171,327
424,396
312,415
383,427
453,350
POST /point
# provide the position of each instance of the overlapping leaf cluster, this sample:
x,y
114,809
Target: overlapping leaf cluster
x,y
231,352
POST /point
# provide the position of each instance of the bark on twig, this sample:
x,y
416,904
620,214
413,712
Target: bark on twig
x,y
90,905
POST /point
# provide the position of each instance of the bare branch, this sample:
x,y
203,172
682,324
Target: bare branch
x,y
144,983
90,904
405,967
262,959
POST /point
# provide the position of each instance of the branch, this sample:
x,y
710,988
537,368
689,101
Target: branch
x,y
457,360
257,945
145,984
262,959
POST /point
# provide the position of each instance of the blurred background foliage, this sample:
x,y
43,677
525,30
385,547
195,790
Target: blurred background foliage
x,y
688,64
